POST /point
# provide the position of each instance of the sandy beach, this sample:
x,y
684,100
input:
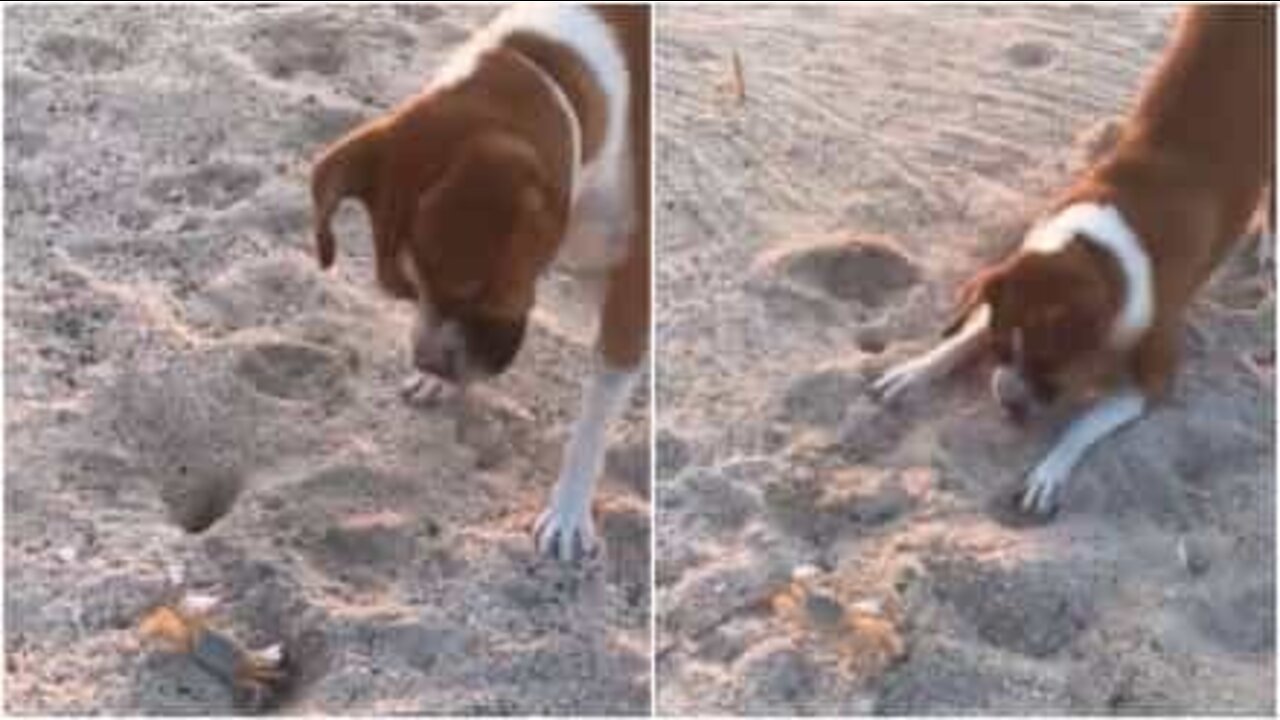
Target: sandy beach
x,y
192,405
175,359
820,553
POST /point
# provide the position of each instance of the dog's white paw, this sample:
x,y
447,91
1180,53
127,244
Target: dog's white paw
x,y
899,379
423,390
1039,496
567,534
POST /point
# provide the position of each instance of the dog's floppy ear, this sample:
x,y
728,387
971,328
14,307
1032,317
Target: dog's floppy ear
x,y
493,209
984,287
348,168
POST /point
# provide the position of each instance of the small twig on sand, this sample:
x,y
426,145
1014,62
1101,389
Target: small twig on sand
x,y
739,80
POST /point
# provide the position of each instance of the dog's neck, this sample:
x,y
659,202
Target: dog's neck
x,y
1103,227
566,109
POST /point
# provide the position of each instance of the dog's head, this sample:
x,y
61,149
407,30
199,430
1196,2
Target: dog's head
x,y
464,221
1050,322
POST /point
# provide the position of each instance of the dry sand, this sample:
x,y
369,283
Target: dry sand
x,y
170,341
812,235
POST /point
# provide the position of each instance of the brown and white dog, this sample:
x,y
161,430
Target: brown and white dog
x,y
1093,300
530,147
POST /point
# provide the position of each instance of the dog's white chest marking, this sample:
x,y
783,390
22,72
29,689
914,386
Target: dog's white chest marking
x,y
1104,226
602,215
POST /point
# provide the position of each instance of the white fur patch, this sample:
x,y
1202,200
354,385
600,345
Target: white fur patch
x,y
603,189
1105,227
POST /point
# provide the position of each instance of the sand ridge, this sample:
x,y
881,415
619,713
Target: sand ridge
x,y
173,352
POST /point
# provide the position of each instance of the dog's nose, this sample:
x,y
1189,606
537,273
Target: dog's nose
x,y
1012,392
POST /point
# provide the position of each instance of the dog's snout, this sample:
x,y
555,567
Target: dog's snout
x,y
494,343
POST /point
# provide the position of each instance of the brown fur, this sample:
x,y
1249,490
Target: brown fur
x,y
574,77
457,160
624,323
472,181
1187,174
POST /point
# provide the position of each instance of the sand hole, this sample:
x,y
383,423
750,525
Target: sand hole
x,y
196,499
868,271
197,430
1029,54
872,341
174,421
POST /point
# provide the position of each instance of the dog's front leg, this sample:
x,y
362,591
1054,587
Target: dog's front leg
x,y
939,361
565,529
1104,418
